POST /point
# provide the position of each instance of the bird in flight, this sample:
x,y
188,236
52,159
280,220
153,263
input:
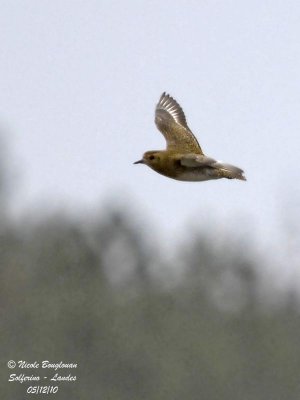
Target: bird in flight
x,y
183,159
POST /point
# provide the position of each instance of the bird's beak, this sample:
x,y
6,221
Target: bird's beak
x,y
139,162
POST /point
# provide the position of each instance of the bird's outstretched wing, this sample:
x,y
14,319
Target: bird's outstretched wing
x,y
170,120
195,160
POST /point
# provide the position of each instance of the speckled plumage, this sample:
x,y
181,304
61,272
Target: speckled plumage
x,y
183,159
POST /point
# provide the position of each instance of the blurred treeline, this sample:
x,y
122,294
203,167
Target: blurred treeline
x,y
94,291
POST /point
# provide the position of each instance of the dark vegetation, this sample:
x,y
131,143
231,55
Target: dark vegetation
x,y
96,293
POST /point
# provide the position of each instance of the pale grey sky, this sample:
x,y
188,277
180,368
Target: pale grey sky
x,y
80,79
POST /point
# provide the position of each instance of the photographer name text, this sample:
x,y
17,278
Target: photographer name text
x,y
46,364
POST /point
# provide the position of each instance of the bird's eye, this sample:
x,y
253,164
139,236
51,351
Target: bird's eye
x,y
151,158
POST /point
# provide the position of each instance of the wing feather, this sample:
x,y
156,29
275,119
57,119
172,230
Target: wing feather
x,y
171,121
196,160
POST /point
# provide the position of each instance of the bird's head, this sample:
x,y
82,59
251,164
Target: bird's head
x,y
151,158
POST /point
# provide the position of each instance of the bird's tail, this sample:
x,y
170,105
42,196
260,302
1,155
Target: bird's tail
x,y
230,171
